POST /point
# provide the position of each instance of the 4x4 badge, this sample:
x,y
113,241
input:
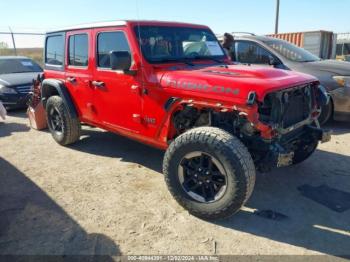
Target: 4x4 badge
x,y
149,120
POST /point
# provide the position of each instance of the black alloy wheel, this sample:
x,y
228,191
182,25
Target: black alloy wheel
x,y
202,177
55,121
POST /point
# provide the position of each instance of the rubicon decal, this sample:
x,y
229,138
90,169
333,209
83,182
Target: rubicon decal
x,y
201,87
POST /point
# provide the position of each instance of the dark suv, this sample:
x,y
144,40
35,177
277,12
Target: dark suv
x,y
333,75
16,79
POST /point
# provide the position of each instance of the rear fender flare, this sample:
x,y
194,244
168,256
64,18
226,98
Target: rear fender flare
x,y
50,87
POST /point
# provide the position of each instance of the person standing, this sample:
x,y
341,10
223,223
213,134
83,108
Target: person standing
x,y
227,44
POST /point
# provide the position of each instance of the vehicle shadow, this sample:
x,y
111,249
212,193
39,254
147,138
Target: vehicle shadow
x,y
98,142
338,128
309,224
19,113
7,129
31,223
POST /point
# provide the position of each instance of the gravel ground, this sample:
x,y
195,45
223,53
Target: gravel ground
x,y
106,195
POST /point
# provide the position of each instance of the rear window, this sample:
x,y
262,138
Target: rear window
x,y
14,66
78,50
54,53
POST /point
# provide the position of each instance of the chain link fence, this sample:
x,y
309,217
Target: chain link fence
x,y
23,42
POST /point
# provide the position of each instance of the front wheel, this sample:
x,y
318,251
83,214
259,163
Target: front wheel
x,y
209,172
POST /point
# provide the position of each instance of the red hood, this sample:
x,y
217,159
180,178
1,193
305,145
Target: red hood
x,y
234,81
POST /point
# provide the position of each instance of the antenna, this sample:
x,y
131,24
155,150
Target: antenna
x,y
140,43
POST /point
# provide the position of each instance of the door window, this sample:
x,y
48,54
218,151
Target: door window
x,y
251,53
78,50
54,50
107,42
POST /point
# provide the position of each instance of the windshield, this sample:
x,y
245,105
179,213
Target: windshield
x,y
178,44
16,65
290,51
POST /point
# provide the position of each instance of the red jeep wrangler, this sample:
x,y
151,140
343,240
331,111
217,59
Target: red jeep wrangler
x,y
170,85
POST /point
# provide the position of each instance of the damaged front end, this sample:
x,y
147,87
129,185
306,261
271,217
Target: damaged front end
x,y
292,115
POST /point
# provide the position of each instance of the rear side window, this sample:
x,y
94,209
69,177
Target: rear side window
x,y
107,42
54,52
78,50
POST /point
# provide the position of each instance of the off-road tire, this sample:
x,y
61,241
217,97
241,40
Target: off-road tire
x,y
233,156
70,125
304,152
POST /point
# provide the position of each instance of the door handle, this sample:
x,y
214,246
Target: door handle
x,y
98,84
71,79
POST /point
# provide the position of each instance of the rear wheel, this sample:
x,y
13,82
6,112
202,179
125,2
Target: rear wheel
x,y
209,172
64,128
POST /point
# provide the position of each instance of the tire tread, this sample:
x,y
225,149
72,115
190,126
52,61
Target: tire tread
x,y
72,124
218,138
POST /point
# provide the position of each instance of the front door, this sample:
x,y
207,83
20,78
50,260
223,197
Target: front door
x,y
247,52
116,96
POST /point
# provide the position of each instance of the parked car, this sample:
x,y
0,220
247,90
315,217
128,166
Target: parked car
x,y
343,47
16,78
218,122
333,75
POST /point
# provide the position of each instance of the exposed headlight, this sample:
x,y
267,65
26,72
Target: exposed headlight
x,y
7,90
342,80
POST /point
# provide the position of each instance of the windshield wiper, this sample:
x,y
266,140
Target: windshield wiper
x,y
308,61
21,72
207,58
179,60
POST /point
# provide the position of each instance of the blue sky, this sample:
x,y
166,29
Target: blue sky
x,y
221,15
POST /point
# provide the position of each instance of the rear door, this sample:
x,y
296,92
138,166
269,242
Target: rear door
x,y
116,95
79,72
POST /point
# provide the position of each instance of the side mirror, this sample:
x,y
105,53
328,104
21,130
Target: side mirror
x,y
120,60
273,61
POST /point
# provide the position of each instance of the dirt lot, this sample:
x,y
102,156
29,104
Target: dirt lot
x,y
106,195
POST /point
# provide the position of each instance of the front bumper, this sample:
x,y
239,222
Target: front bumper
x,y
12,101
281,153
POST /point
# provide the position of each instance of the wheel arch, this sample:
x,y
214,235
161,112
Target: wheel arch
x,y
51,87
175,106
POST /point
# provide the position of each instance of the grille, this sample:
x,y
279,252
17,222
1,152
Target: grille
x,y
297,106
287,108
24,89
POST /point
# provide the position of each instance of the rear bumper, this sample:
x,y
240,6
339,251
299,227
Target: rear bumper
x,y
13,101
